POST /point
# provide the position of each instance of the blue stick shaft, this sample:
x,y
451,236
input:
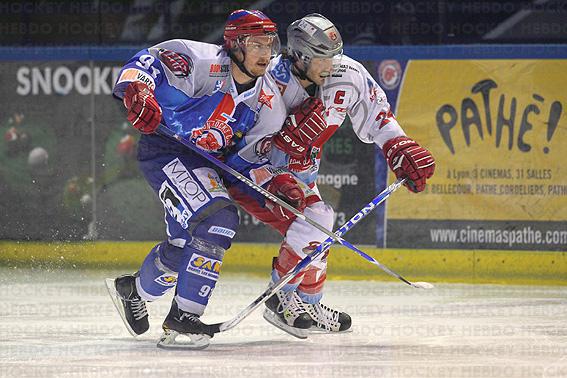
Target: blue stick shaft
x,y
321,248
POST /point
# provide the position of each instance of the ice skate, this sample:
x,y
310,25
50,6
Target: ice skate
x,y
130,306
184,330
285,311
326,319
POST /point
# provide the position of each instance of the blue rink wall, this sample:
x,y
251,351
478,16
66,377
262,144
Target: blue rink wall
x,y
79,193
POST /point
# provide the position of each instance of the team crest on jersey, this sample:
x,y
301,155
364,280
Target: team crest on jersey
x,y
263,146
166,279
180,65
389,74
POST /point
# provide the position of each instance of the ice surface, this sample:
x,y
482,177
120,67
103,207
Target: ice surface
x,y
63,324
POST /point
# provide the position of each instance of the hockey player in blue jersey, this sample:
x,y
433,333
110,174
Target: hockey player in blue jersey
x,y
214,96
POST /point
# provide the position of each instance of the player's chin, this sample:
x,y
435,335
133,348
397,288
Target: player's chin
x,y
260,69
318,80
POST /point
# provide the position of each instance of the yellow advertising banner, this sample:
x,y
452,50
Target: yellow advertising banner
x,y
498,132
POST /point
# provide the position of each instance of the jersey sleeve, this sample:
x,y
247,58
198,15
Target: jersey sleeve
x,y
142,67
150,67
370,112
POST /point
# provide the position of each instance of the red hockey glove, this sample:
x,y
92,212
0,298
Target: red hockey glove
x,y
408,159
144,112
285,186
213,136
301,128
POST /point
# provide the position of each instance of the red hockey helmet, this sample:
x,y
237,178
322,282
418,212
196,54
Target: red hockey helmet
x,y
244,23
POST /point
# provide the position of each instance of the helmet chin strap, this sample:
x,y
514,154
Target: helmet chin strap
x,y
300,73
240,64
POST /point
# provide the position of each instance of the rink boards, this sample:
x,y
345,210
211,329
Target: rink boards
x,y
464,266
493,116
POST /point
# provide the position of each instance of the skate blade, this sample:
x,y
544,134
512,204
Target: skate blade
x,y
273,319
317,330
118,304
187,341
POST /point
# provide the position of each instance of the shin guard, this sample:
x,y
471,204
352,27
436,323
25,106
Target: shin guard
x,y
158,273
202,259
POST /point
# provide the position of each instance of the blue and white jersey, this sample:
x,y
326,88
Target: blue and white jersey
x,y
206,92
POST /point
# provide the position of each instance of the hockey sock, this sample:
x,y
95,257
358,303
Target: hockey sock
x,y
202,259
311,288
287,260
158,273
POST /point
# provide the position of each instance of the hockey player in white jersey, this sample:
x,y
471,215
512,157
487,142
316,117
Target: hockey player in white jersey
x,y
315,66
215,96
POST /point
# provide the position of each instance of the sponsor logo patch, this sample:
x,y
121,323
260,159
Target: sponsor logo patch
x,y
204,266
218,85
265,99
211,182
307,27
281,72
218,70
166,280
174,205
133,74
222,231
187,185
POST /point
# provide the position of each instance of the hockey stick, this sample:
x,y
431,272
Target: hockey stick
x,y
321,249
164,130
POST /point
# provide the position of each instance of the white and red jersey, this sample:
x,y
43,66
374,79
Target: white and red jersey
x,y
350,90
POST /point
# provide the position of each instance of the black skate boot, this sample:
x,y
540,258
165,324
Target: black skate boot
x,y
186,324
130,306
325,319
285,311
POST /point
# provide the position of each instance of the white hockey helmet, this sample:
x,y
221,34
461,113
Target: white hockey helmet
x,y
313,36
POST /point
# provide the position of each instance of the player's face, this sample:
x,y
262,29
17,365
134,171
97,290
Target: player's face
x,y
259,50
320,69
